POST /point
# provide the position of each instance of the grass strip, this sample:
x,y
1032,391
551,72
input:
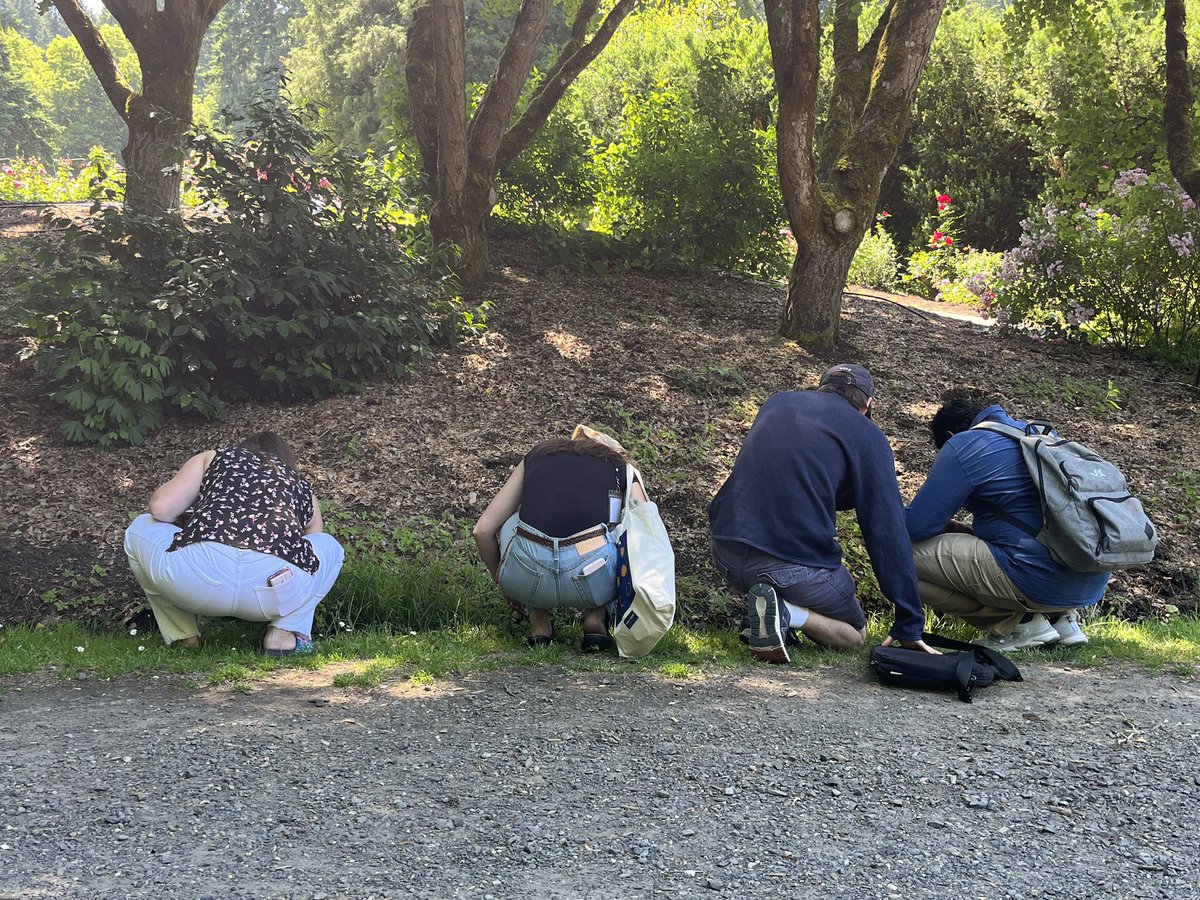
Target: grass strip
x,y
230,652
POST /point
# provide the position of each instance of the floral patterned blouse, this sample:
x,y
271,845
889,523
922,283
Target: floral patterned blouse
x,y
255,503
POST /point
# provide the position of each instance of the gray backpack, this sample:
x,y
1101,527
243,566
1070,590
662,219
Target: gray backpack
x,y
1091,521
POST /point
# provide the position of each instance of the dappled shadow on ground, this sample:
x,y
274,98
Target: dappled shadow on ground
x,y
675,365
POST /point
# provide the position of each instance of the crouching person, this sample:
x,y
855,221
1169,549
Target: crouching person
x,y
808,455
547,540
994,575
253,546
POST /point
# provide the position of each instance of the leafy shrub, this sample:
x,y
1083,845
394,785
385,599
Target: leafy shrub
x,y
874,263
687,158
672,168
29,181
556,179
283,288
949,271
1123,271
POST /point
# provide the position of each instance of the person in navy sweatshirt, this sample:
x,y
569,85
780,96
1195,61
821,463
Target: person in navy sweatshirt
x,y
774,533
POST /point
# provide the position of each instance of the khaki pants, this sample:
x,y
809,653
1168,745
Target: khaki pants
x,y
957,574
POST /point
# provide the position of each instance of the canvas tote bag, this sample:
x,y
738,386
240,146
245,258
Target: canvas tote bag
x,y
645,606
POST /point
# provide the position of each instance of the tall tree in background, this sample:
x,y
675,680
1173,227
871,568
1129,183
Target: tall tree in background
x,y
830,175
247,42
167,35
1180,101
25,126
461,158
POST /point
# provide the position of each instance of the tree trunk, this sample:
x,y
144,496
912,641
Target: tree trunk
x,y
459,219
1179,101
830,197
153,158
812,314
461,161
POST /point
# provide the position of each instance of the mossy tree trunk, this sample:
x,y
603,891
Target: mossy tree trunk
x,y
831,174
461,158
167,42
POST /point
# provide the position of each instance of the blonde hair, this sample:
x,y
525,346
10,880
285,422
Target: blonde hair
x,y
583,431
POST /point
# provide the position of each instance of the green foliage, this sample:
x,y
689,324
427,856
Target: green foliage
x,y
28,180
24,118
875,264
662,154
556,179
242,50
1090,84
1123,270
287,288
968,136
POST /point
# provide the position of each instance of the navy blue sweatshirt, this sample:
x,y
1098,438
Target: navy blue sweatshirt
x,y
809,454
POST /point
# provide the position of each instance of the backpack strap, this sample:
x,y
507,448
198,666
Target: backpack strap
x,y
1000,428
1002,664
1011,431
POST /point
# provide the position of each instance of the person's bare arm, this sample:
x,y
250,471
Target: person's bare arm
x,y
503,505
316,524
172,499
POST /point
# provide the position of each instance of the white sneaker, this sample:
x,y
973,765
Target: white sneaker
x,y
1034,633
1069,628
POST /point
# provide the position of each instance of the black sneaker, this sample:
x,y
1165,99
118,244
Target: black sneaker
x,y
766,637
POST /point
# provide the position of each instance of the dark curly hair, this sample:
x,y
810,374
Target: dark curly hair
x,y
959,408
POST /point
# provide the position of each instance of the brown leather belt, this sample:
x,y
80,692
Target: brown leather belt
x,y
598,531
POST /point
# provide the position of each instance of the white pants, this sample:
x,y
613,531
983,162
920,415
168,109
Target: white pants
x,y
212,579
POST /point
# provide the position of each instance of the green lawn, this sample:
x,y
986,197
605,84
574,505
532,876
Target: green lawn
x,y
230,652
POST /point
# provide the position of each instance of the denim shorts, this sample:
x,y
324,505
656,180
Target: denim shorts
x,y
543,577
829,592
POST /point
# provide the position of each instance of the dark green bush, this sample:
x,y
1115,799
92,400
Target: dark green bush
x,y
300,277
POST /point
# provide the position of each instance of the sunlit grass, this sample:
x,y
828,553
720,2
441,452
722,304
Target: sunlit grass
x,y
230,652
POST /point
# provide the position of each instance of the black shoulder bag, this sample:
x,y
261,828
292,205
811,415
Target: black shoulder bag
x,y
970,667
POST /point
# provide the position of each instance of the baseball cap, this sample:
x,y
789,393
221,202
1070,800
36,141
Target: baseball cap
x,y
850,374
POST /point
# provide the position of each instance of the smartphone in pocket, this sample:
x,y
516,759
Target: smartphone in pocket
x,y
283,575
593,566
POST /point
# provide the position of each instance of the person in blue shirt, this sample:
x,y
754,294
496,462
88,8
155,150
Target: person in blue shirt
x,y
992,574
808,455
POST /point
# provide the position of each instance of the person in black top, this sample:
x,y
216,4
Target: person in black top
x,y
253,545
547,536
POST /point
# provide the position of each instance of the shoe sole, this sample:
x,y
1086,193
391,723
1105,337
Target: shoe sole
x,y
765,640
1072,641
1040,640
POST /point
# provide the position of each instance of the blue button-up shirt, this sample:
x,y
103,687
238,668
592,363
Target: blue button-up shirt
x,y
984,472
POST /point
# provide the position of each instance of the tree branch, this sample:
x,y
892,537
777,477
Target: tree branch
x,y
512,74
422,88
794,31
98,54
574,56
851,81
899,61
1179,101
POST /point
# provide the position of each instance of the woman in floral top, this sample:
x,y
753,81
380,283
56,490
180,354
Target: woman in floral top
x,y
253,545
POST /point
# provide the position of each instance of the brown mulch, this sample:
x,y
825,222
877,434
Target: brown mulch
x,y
675,365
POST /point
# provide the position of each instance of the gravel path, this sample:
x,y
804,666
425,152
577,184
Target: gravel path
x,y
549,784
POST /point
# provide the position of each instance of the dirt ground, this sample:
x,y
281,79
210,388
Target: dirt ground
x,y
675,365
762,782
